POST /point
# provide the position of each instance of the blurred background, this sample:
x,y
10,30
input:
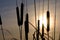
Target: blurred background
x,y
9,17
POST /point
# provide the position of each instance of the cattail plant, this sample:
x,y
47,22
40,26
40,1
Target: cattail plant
x,y
26,24
48,21
43,32
18,18
38,30
22,10
2,28
26,27
0,21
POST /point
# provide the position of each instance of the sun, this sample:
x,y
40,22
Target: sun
x,y
44,21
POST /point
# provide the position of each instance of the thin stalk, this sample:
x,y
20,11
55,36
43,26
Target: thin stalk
x,y
2,32
55,20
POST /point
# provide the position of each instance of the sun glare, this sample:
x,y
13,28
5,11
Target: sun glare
x,y
44,21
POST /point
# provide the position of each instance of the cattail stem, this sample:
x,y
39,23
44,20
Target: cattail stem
x,y
2,32
20,32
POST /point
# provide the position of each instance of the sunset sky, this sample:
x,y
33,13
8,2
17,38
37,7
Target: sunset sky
x,y
9,17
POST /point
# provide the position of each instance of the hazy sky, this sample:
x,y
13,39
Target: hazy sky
x,y
9,18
